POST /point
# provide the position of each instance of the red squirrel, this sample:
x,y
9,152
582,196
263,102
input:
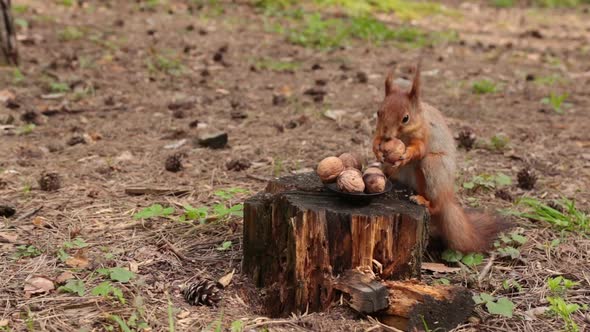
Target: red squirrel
x,y
428,166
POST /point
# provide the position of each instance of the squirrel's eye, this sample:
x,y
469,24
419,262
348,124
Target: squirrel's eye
x,y
406,119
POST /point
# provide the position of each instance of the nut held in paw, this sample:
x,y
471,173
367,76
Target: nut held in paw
x,y
351,181
329,169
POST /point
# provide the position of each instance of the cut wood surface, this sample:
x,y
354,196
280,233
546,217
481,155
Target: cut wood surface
x,y
298,238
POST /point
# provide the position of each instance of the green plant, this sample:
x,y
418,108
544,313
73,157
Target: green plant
x,y
67,3
21,23
121,322
549,79
166,63
73,286
106,289
502,306
564,310
555,101
559,284
499,142
19,9
26,251
153,211
470,259
77,243
17,76
502,3
488,181
508,244
227,194
70,34
569,218
171,325
225,246
59,87
197,214
483,86
117,274
26,130
276,65
237,326
511,284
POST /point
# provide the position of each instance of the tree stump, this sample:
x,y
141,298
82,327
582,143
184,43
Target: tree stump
x,y
298,238
8,52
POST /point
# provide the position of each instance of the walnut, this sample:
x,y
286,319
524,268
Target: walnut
x,y
374,180
350,160
373,170
329,169
393,150
351,181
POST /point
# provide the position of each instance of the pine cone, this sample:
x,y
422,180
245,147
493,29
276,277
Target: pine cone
x,y
466,138
202,292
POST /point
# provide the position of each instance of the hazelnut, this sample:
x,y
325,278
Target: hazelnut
x,y
351,181
374,183
350,160
393,150
329,169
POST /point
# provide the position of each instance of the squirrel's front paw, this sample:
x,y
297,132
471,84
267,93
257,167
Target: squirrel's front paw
x,y
420,200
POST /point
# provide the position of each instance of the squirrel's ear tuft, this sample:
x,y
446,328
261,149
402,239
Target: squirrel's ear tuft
x,y
389,83
414,93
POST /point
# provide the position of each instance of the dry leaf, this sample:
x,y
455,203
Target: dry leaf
x,y
39,221
78,261
37,285
534,313
6,96
4,322
8,237
439,267
183,314
226,279
133,267
65,276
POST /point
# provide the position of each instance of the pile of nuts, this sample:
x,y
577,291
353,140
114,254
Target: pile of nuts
x,y
345,170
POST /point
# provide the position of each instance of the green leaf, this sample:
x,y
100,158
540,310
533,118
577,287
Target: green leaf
x,y
469,185
503,307
452,256
102,289
120,274
225,245
509,252
76,243
62,255
121,322
74,287
237,326
443,281
503,179
118,293
518,238
155,210
472,259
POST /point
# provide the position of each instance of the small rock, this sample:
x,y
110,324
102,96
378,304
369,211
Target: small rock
x,y
194,123
213,139
526,178
335,115
175,145
466,138
174,162
7,211
49,181
292,124
238,164
54,147
182,104
362,77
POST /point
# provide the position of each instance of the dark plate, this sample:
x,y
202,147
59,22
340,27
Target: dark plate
x,y
334,188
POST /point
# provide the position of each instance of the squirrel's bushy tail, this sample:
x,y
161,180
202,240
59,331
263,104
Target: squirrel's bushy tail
x,y
467,231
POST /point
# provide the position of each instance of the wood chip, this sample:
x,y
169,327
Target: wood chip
x,y
440,268
226,279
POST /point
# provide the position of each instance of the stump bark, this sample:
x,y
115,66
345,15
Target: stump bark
x,y
8,51
298,238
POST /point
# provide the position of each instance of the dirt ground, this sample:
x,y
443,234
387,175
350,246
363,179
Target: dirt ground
x,y
116,87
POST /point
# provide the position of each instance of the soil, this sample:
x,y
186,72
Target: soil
x,y
122,118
